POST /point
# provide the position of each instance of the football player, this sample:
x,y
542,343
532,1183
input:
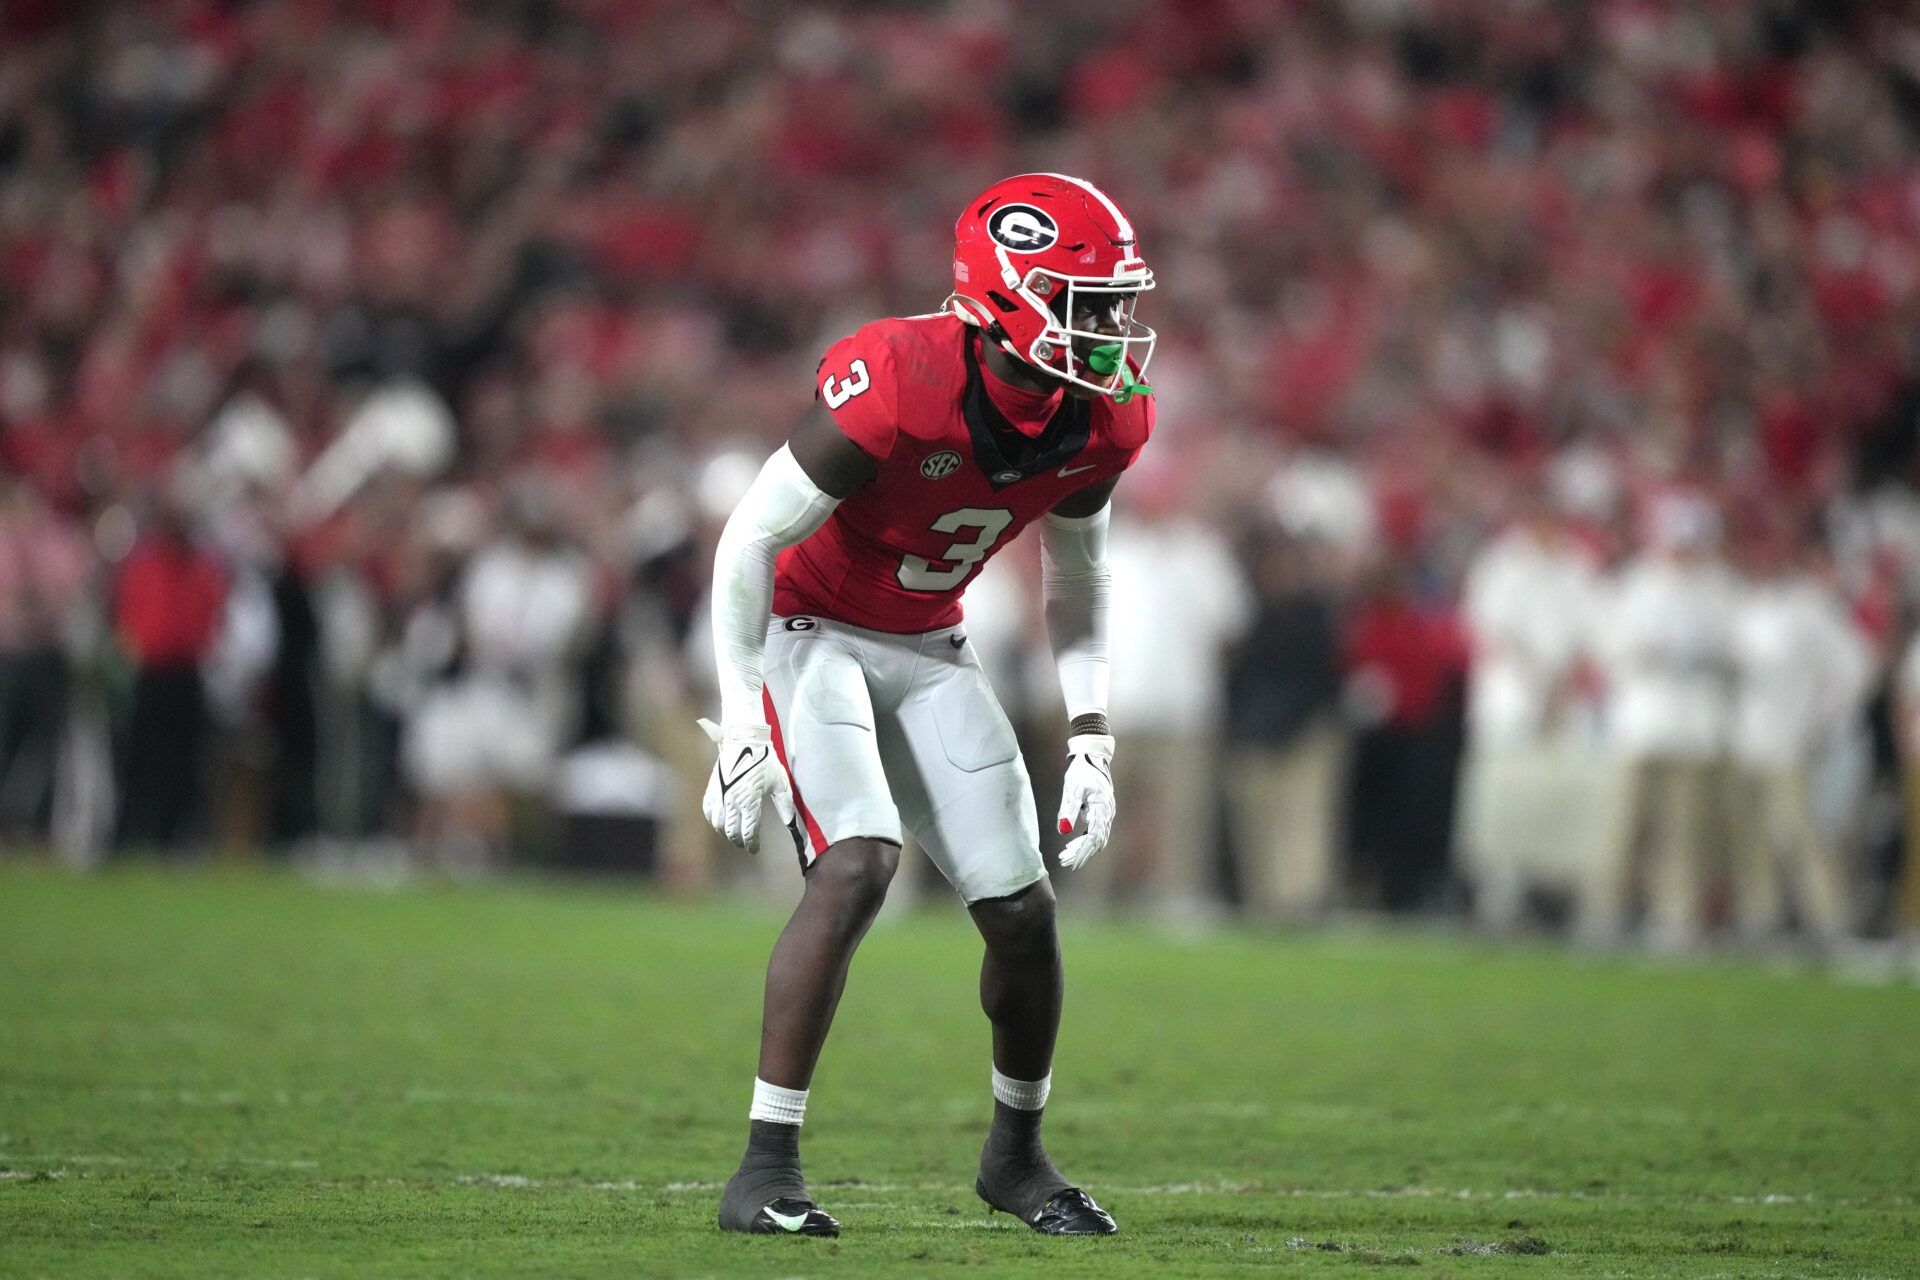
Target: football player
x,y
850,698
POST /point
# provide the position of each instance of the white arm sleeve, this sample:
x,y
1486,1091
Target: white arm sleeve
x,y
782,507
1077,589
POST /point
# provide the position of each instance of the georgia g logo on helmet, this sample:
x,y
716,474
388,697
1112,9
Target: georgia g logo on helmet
x,y
1023,228
1049,269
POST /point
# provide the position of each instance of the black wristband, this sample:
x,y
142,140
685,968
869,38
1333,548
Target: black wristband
x,y
1091,722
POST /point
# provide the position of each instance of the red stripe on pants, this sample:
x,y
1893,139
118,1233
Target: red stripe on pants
x,y
814,833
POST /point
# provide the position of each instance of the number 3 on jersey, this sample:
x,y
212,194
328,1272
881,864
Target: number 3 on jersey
x,y
837,393
917,574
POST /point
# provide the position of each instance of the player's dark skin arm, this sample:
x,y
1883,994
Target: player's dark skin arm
x,y
835,463
1088,501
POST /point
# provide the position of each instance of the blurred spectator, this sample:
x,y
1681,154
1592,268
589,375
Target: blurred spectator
x,y
1531,601
1906,907
403,426
1179,601
496,729
44,568
169,603
1802,674
1664,638
291,707
414,648
1406,663
1285,742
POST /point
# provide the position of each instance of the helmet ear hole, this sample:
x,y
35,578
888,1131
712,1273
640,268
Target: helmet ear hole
x,y
1001,301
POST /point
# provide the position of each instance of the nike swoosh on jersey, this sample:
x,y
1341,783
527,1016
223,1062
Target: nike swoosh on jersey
x,y
1074,471
787,1222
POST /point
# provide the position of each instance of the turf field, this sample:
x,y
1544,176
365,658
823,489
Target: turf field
x,y
212,1074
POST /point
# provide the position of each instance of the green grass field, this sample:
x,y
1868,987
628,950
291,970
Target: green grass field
x,y
234,1074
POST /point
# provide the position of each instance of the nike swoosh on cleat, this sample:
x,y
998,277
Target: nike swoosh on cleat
x,y
787,1222
1074,471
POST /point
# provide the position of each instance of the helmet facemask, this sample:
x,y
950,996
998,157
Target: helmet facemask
x,y
1049,267
1109,363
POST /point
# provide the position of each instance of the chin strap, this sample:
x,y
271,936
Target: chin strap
x,y
995,331
1107,360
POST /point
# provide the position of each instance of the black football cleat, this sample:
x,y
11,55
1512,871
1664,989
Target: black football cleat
x,y
1067,1213
786,1216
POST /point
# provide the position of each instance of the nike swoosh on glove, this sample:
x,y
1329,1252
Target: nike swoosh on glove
x,y
745,773
1088,788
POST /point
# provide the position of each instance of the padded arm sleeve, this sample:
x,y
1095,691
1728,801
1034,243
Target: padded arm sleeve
x,y
781,508
1077,589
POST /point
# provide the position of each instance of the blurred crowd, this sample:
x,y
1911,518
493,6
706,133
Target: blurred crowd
x,y
1531,527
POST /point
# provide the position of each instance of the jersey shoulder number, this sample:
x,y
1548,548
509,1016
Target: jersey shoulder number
x,y
856,383
836,391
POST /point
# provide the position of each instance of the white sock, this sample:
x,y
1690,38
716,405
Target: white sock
x,y
1022,1095
782,1106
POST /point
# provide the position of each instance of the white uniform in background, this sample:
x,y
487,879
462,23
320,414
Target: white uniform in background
x,y
1179,600
1665,640
1531,601
1803,674
503,722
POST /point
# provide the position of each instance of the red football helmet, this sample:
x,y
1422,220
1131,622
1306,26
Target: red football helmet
x,y
1030,254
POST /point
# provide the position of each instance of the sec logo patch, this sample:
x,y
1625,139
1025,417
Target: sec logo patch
x,y
941,464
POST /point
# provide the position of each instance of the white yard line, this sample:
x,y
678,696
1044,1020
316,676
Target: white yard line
x,y
56,1166
9,1159
519,1181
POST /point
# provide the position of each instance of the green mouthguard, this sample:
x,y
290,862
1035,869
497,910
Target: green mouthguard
x,y
1106,360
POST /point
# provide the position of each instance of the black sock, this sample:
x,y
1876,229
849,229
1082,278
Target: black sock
x,y
1014,1165
773,1140
769,1171
1015,1130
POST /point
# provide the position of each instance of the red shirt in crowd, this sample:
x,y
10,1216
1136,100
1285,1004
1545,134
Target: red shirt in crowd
x,y
1417,654
167,602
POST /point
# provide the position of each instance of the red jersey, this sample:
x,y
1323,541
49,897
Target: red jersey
x,y
964,462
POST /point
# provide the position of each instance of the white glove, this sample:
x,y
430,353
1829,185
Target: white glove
x,y
745,774
1089,786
